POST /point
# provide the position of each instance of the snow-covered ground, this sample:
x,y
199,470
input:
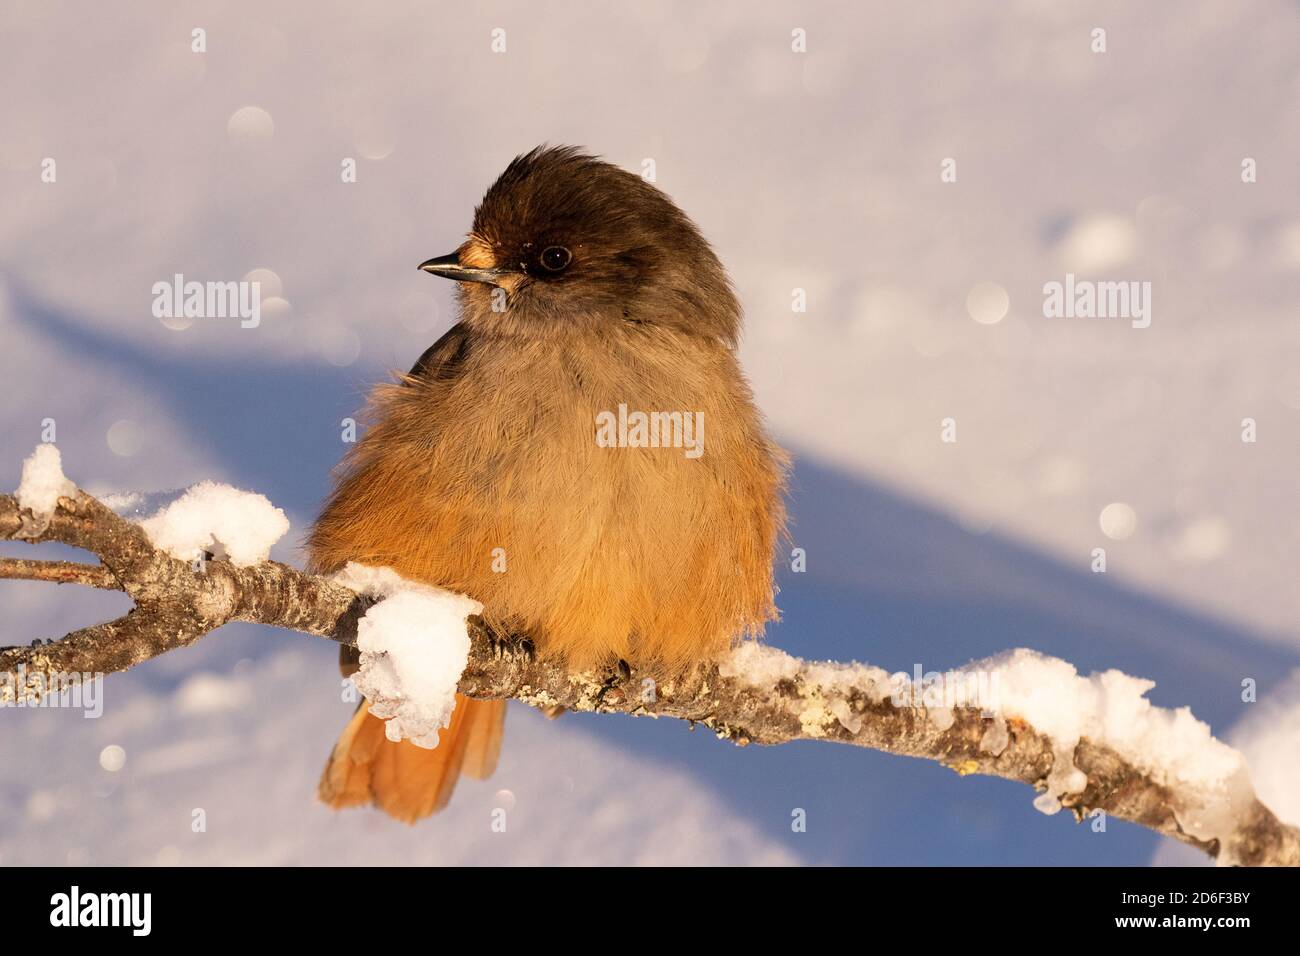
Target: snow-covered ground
x,y
818,171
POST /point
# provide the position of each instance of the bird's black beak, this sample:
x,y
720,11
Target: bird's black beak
x,y
449,267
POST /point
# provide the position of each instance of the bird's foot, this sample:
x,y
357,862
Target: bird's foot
x,y
618,673
507,644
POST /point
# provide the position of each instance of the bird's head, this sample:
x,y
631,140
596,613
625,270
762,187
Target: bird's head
x,y
564,242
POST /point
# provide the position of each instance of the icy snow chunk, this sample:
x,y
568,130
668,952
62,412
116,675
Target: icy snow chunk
x,y
1047,803
995,738
1207,777
414,647
941,717
1065,777
1109,708
242,525
761,666
844,714
43,481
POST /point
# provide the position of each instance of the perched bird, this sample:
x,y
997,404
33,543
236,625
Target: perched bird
x,y
511,465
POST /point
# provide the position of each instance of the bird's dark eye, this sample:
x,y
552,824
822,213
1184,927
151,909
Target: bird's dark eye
x,y
555,258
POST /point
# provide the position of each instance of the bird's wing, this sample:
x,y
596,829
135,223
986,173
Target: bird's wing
x,y
443,358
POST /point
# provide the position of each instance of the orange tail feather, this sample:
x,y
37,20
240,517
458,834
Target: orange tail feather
x,y
406,781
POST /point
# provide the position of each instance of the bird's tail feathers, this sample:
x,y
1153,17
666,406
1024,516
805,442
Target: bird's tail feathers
x,y
405,781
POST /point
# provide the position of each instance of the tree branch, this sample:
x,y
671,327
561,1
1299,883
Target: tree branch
x,y
177,603
59,572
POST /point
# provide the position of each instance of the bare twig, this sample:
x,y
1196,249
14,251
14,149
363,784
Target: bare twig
x,y
177,603
59,572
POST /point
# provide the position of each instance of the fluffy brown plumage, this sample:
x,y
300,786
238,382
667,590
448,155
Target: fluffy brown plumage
x,y
637,553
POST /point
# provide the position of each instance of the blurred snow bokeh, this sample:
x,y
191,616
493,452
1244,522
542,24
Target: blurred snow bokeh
x,y
174,778
818,171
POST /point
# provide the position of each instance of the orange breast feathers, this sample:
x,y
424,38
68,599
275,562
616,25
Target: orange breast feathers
x,y
595,553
